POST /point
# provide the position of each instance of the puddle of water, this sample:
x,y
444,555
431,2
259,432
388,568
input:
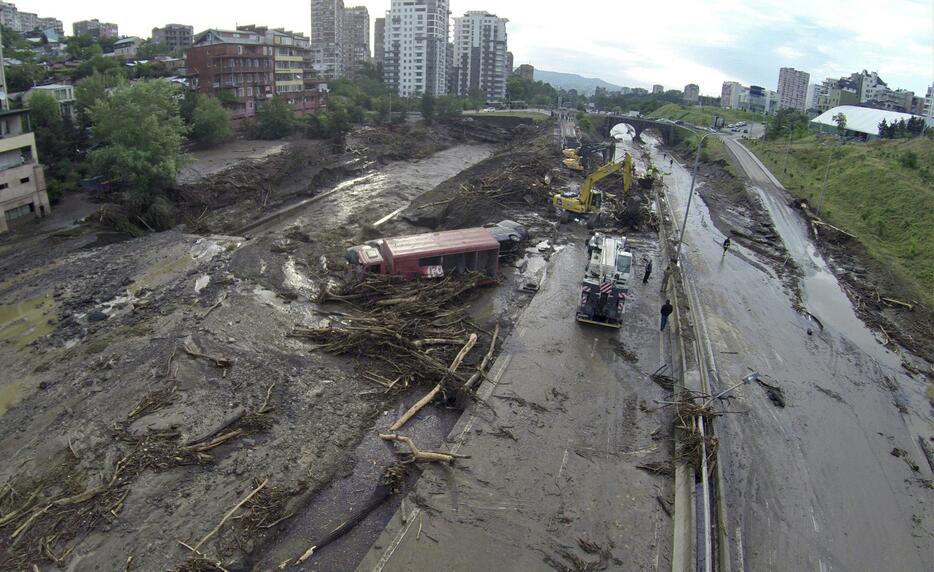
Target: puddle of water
x,y
25,322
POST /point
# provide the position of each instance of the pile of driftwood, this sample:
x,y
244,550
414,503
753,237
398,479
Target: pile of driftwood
x,y
521,181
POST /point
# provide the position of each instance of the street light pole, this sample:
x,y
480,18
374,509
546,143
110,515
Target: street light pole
x,y
687,209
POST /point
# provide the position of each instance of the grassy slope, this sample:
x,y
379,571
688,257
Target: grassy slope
x,y
888,205
703,115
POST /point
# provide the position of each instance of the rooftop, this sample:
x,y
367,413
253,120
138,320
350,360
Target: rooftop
x,y
863,119
439,243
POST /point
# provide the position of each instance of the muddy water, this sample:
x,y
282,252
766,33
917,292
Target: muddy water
x,y
368,199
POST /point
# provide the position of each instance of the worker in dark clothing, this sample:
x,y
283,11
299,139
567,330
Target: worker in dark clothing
x,y
726,245
648,272
667,309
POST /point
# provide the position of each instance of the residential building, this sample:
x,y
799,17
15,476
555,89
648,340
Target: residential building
x,y
64,94
658,88
22,182
730,94
509,62
691,93
792,88
894,100
479,62
526,72
235,65
356,40
95,28
379,35
416,47
26,22
835,97
294,72
8,13
49,25
756,99
327,24
929,103
127,47
871,86
771,102
814,90
176,37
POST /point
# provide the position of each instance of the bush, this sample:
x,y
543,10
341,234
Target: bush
x,y
274,120
909,160
210,122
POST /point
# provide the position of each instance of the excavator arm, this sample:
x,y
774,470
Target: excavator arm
x,y
583,202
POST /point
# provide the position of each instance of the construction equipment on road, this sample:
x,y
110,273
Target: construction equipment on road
x,y
606,281
581,158
589,201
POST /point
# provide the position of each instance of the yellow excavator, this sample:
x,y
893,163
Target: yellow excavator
x,y
572,160
589,201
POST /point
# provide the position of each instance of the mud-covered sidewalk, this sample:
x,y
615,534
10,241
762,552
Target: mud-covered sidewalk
x,y
554,441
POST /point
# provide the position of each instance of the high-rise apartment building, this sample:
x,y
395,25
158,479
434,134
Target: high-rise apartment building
x,y
95,28
510,62
658,89
23,22
416,46
175,37
730,94
479,60
526,72
792,89
50,25
691,93
379,36
356,39
327,25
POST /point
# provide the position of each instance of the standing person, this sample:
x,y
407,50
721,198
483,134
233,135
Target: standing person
x,y
726,245
648,272
667,309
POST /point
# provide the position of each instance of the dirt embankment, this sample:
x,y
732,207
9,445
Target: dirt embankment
x,y
738,213
880,299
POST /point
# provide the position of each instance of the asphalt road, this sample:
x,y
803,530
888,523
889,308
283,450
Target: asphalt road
x,y
553,447
811,486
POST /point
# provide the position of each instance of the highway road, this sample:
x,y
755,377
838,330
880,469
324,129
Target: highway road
x,y
813,485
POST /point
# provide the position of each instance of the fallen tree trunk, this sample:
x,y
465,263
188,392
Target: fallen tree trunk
x,y
418,454
471,341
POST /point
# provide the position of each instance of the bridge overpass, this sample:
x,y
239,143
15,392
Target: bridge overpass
x,y
640,124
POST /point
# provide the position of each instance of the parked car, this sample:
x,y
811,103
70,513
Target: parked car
x,y
507,231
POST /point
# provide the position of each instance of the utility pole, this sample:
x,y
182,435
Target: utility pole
x,y
684,223
4,104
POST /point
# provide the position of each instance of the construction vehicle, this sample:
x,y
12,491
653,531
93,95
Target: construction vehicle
x,y
606,282
589,201
580,159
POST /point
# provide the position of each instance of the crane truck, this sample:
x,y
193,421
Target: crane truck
x,y
589,201
606,282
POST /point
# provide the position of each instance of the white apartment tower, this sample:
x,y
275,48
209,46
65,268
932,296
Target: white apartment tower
x,y
480,55
327,26
415,47
792,88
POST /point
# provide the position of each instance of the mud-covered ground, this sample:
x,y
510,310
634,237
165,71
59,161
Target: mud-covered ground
x,y
149,385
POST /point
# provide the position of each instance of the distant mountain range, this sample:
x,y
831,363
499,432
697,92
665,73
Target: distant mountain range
x,y
569,81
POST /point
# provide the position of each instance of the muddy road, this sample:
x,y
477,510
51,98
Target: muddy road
x,y
836,479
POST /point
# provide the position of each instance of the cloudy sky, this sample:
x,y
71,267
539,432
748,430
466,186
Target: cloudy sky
x,y
625,42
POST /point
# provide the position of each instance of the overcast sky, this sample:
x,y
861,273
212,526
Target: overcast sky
x,y
635,43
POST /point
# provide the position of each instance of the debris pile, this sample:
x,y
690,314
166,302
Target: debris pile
x,y
412,329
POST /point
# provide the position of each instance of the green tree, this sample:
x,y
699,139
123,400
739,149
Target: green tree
x,y
840,120
428,108
139,133
210,122
92,89
274,120
46,117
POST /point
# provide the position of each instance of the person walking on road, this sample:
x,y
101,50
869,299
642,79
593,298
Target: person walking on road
x,y
667,309
648,272
726,245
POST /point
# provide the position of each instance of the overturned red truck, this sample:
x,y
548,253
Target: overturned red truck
x,y
437,254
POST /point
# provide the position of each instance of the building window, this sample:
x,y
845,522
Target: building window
x,y
24,180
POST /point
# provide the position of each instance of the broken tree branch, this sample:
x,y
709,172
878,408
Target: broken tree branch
x,y
471,341
220,362
418,454
486,360
229,514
